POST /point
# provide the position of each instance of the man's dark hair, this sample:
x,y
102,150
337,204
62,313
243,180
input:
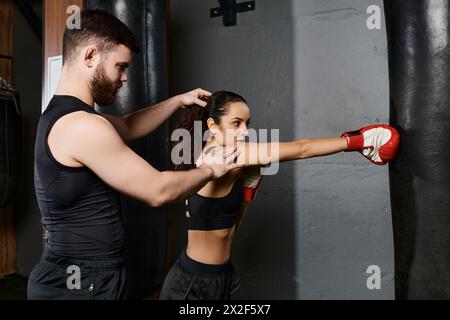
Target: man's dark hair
x,y
100,28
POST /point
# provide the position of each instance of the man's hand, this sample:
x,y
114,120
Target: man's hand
x,y
220,160
196,96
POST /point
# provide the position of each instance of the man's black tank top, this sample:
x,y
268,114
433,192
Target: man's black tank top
x,y
80,212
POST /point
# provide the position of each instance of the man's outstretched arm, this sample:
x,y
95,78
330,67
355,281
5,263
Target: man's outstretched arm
x,y
93,142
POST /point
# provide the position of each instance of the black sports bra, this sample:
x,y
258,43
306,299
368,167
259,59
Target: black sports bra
x,y
207,213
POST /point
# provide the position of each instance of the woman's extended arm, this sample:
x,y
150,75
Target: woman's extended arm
x,y
379,143
265,153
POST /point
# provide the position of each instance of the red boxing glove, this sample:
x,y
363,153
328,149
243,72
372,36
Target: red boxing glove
x,y
378,143
251,182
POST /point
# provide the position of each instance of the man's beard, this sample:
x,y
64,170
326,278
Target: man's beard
x,y
103,89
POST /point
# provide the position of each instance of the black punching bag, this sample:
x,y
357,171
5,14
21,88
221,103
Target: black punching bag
x,y
146,229
10,142
419,71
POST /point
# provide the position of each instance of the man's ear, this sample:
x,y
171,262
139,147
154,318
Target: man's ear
x,y
90,56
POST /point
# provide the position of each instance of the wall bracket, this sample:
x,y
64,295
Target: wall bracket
x,y
229,9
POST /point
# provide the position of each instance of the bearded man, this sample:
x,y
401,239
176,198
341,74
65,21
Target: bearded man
x,y
82,163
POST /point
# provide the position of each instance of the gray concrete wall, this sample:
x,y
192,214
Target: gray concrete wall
x,y
310,68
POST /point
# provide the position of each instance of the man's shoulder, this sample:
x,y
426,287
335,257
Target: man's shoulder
x,y
84,126
83,120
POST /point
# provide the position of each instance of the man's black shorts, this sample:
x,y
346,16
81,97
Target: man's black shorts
x,y
61,278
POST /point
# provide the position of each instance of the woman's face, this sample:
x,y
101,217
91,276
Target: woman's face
x,y
233,125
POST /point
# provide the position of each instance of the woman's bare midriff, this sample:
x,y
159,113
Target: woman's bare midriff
x,y
210,247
